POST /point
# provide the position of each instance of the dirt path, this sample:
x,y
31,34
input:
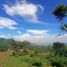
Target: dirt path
x,y
5,53
2,54
1,65
2,58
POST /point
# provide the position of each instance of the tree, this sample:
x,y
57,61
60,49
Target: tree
x,y
61,12
58,48
18,47
13,44
23,44
26,43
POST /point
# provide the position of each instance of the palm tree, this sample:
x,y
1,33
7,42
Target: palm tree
x,y
61,12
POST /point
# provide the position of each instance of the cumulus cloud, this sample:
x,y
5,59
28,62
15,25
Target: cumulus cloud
x,y
27,10
7,23
41,39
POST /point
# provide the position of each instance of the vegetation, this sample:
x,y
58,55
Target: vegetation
x,y
19,54
58,48
61,12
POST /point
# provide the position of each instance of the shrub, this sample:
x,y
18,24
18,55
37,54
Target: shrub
x,y
24,52
58,48
58,61
38,64
31,55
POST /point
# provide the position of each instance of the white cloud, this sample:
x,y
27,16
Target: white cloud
x,y
19,32
41,38
27,10
21,9
38,32
32,35
7,23
3,36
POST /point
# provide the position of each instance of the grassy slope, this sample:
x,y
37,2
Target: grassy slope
x,y
22,61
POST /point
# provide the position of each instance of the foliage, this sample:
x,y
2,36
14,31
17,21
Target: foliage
x,y
60,53
58,48
58,61
63,27
3,48
38,64
19,47
60,12
25,56
24,52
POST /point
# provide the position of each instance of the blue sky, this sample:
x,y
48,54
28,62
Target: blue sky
x,y
22,19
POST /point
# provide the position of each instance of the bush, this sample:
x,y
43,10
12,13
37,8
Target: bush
x,y
25,52
58,61
56,64
31,55
20,52
38,64
58,48
3,49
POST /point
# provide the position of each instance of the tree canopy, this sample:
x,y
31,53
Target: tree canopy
x,y
61,12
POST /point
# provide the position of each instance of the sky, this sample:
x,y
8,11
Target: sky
x,y
31,20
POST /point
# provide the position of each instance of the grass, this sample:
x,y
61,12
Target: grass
x,y
11,61
22,61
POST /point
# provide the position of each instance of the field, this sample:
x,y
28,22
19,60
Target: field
x,y
7,60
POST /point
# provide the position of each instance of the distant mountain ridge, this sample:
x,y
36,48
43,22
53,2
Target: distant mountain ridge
x,y
5,42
